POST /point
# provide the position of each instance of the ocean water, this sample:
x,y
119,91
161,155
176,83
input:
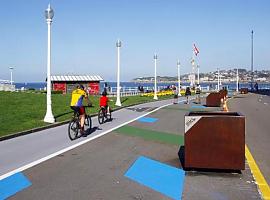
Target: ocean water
x,y
230,86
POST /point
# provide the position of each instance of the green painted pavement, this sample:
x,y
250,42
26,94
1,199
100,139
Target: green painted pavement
x,y
152,135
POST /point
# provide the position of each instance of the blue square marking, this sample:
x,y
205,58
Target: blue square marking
x,y
147,119
13,184
158,176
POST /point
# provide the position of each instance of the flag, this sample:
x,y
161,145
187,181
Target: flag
x,y
195,49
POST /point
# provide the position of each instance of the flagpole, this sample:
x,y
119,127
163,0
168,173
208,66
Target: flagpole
x,y
192,70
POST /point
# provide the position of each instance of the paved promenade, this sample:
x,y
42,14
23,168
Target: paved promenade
x,y
108,167
256,108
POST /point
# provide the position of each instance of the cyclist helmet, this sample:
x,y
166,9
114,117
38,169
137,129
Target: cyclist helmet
x,y
81,86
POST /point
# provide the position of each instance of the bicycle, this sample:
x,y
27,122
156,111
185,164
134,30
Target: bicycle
x,y
104,115
75,125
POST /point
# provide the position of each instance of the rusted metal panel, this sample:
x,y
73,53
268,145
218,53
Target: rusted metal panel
x,y
243,90
223,93
215,140
213,99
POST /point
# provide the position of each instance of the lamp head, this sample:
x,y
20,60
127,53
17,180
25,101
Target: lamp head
x,y
49,13
118,43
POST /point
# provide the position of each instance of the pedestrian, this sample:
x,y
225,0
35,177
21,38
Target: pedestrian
x,y
198,92
175,95
256,87
187,94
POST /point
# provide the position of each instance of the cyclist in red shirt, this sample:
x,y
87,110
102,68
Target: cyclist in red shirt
x,y
103,101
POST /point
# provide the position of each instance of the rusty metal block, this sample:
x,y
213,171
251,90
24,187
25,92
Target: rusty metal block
x,y
243,90
215,140
213,99
223,93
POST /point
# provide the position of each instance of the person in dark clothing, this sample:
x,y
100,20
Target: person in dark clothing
x,y
187,94
256,87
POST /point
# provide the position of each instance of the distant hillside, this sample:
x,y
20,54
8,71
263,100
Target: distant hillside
x,y
226,76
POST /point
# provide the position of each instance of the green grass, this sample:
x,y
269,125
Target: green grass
x,y
21,111
151,135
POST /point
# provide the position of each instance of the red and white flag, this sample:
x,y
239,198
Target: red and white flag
x,y
195,49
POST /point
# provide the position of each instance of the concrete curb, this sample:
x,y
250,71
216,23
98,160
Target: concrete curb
x,y
7,137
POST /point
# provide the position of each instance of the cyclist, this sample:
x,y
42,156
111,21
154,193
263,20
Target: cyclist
x,y
77,104
103,101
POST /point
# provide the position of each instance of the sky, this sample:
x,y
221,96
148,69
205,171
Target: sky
x,y
84,33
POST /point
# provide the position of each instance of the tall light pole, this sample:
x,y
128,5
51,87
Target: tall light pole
x,y
198,69
218,79
118,46
155,92
179,81
237,80
252,79
49,116
11,80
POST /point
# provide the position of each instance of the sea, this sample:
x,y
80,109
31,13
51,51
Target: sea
x,y
229,86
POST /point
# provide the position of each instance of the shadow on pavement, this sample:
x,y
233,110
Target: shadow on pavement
x,y
90,131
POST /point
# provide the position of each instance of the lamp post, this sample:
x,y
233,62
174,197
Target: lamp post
x,y
237,80
218,79
155,92
198,69
118,101
179,83
252,78
11,68
49,116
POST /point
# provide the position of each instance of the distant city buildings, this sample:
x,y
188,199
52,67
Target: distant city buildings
x,y
226,76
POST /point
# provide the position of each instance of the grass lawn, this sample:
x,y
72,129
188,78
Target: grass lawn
x,y
21,111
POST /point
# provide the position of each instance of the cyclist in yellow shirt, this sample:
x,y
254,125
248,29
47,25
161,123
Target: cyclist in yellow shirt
x,y
77,103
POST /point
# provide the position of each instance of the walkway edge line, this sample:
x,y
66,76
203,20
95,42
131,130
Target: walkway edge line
x,y
259,178
263,186
20,169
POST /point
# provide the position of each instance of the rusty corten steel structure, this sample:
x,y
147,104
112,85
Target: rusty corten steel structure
x,y
223,93
243,90
215,140
213,99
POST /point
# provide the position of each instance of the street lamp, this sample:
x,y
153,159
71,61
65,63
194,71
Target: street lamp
x,y
252,73
198,69
237,80
49,116
218,79
155,92
11,68
179,84
118,101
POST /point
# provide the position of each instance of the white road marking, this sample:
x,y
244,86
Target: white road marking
x,y
27,166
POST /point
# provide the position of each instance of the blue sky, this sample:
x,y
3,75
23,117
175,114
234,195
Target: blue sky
x,y
84,33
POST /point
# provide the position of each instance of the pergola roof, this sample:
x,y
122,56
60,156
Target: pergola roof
x,y
77,78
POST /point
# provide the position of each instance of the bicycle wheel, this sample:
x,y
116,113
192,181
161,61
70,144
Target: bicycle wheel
x,y
73,129
87,123
101,116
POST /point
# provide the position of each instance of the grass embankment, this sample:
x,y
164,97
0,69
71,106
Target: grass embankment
x,y
20,111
